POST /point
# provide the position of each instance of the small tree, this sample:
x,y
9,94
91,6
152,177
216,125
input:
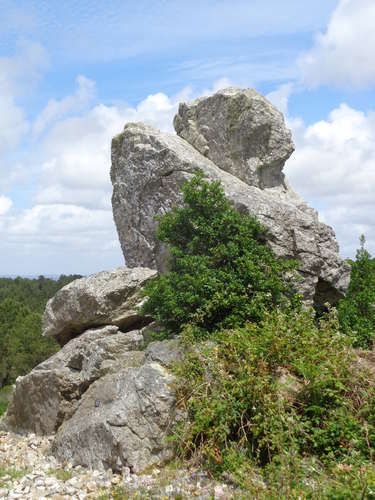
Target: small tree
x,y
221,272
357,310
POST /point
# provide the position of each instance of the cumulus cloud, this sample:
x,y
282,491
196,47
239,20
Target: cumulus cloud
x,y
71,212
280,96
26,65
333,167
344,54
77,102
5,204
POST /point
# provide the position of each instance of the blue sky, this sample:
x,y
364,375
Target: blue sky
x,y
73,72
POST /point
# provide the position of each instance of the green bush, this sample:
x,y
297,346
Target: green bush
x,y
277,400
221,273
357,310
273,393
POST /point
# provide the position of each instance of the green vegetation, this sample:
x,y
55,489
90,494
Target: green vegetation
x,y
278,401
221,272
33,293
4,394
10,474
60,474
276,396
357,310
22,346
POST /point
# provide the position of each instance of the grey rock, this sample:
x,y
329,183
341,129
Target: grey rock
x,y
122,421
148,170
165,352
49,394
241,132
152,332
105,298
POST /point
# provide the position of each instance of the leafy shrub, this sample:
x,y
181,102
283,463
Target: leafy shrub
x,y
277,400
271,394
221,273
357,310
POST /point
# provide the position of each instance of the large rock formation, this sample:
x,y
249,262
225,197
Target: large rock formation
x,y
241,132
108,397
51,392
108,394
106,298
123,420
238,137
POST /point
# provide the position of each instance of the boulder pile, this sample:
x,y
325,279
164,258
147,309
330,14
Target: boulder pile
x,y
239,138
108,395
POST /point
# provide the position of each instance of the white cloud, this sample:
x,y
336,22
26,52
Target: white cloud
x,y
344,54
25,66
77,102
333,167
5,204
280,97
13,124
71,217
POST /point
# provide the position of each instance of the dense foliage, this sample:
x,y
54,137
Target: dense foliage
x,y
22,346
278,401
357,310
277,395
221,272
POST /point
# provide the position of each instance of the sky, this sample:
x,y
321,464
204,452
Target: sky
x,y
73,73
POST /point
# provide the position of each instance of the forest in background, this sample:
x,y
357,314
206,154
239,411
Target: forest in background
x,y
22,302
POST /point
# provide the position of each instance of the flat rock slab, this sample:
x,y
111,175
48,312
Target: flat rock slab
x,y
105,298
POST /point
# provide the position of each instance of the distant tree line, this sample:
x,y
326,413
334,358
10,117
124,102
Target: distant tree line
x,y
22,302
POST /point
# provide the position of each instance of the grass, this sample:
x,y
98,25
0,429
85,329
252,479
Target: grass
x,y
11,473
61,474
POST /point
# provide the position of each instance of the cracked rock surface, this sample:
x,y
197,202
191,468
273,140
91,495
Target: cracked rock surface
x,y
123,420
50,393
108,396
105,298
149,168
109,403
241,132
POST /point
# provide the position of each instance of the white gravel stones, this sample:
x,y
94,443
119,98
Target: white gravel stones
x,y
28,471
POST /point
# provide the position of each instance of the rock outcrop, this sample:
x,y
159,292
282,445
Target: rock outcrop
x,y
106,298
51,392
123,420
241,132
239,138
108,395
